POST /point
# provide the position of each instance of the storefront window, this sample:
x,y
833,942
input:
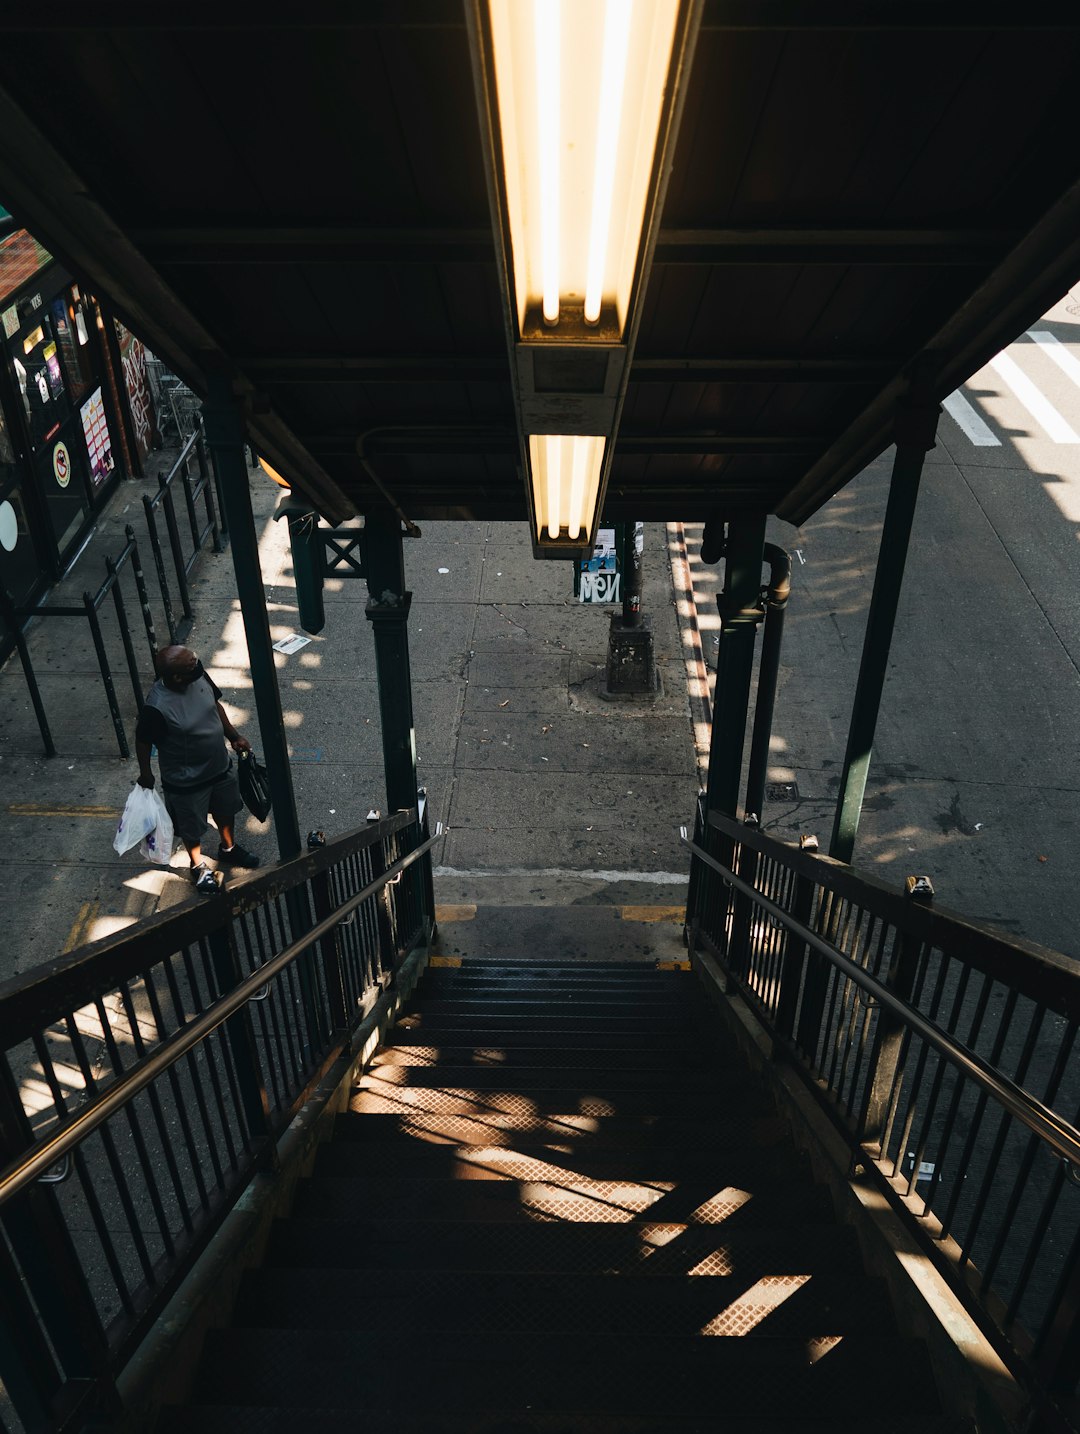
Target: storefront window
x,y
73,341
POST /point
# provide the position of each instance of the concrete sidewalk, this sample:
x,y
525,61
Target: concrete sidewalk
x,y
551,794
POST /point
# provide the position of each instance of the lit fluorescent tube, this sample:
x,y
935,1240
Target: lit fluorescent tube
x,y
565,474
580,92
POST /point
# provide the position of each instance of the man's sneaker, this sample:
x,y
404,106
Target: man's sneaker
x,y
207,882
236,855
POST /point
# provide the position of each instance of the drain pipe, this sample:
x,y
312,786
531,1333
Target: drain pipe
x,y
775,597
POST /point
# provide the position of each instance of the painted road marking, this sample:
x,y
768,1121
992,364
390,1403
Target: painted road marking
x,y
970,422
1054,349
444,914
1040,408
78,934
651,913
35,809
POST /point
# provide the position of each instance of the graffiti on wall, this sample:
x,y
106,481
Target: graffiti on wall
x,y
140,399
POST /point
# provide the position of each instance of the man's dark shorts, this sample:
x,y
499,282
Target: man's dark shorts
x,y
189,808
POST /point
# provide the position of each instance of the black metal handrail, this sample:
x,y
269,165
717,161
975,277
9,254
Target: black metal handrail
x,y
29,1167
1058,1133
144,1068
210,530
942,1050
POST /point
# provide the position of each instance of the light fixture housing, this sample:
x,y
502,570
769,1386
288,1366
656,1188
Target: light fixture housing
x,y
579,102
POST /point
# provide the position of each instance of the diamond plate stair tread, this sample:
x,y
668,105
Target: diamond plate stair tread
x,y
385,1098
637,1023
643,984
526,1037
494,1162
642,1249
752,1115
523,965
495,1056
604,1374
527,1077
237,1419
566,1004
573,1199
787,1302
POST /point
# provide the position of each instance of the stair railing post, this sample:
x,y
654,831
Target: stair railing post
x,y
332,956
240,1035
793,958
889,1038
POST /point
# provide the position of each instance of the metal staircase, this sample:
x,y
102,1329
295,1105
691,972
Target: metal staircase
x,y
558,1196
559,1202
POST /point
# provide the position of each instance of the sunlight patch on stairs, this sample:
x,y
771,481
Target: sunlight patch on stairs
x,y
756,1304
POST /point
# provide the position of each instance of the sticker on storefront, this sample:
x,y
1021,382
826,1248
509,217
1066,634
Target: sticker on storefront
x,y
9,527
11,322
96,433
61,464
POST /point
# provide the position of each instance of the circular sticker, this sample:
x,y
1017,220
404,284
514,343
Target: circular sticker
x,y
61,464
9,527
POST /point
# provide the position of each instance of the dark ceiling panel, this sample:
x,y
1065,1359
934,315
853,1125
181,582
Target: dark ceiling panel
x,y
306,192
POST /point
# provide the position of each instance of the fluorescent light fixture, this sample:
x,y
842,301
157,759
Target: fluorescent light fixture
x,y
580,88
566,481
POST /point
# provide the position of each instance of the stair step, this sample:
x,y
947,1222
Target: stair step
x,y
522,965
573,1019
789,1302
571,1198
587,978
495,1056
670,1043
754,1121
382,1097
237,1419
538,1074
642,1249
565,1003
604,1374
541,1163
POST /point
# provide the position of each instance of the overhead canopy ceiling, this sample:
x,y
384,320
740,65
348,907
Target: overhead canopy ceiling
x,y
863,195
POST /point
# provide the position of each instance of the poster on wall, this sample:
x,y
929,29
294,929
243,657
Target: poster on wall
x,y
98,442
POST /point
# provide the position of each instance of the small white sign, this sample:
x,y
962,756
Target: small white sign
x,y
292,643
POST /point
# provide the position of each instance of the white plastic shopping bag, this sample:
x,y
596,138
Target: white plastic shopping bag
x,y
157,844
144,819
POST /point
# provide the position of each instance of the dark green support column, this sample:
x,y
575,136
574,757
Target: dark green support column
x,y
224,424
740,612
388,612
916,424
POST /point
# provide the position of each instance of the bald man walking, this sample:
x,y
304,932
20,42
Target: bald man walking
x,y
184,719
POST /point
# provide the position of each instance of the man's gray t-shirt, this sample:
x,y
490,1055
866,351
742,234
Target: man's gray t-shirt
x,y
186,729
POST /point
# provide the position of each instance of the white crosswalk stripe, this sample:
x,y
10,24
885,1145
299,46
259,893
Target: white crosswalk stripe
x,y
970,422
1040,408
1024,390
1054,349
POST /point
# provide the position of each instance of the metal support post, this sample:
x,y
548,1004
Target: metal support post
x,y
225,435
388,612
631,667
916,423
776,596
740,612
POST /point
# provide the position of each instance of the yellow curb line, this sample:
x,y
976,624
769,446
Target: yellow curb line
x,y
651,913
77,935
454,913
33,809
